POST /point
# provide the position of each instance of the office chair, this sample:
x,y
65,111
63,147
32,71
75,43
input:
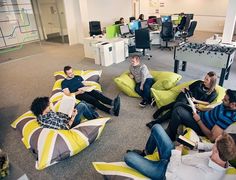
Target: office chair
x,y
94,28
150,17
167,33
117,22
131,19
142,41
185,34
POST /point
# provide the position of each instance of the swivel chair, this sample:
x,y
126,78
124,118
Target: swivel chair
x,y
185,34
167,34
131,19
151,17
142,41
94,28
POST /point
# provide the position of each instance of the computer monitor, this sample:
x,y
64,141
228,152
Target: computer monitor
x,y
144,24
165,18
134,25
124,30
112,31
158,21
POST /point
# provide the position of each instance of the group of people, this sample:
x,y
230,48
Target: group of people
x,y
122,20
210,123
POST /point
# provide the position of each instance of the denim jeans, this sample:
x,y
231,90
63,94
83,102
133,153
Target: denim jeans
x,y
146,92
85,110
153,169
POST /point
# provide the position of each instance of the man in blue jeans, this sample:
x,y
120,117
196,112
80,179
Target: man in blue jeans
x,y
57,120
207,165
143,79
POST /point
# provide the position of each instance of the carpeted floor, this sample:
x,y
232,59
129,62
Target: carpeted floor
x,y
24,79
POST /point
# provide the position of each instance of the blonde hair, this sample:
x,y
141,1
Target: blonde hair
x,y
213,79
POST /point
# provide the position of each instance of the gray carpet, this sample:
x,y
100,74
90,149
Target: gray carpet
x,y
24,79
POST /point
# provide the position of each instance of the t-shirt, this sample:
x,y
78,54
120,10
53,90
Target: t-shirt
x,y
72,84
220,115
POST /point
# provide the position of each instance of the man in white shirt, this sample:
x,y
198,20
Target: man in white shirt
x,y
205,166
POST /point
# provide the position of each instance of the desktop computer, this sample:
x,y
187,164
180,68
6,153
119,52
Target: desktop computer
x,y
124,30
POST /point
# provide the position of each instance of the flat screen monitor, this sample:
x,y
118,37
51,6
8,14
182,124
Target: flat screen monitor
x,y
134,25
159,21
144,24
124,29
166,18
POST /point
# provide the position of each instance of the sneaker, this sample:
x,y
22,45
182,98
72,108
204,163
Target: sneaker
x,y
116,108
143,103
141,153
150,124
153,103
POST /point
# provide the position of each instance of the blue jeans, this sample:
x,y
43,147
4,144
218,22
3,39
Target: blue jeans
x,y
153,169
85,110
146,92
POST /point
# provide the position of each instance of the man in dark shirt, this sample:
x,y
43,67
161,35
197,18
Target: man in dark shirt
x,y
74,84
209,123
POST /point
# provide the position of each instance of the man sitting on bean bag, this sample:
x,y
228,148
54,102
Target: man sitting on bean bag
x,y
57,120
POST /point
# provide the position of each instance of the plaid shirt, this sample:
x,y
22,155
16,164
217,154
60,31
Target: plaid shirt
x,y
54,120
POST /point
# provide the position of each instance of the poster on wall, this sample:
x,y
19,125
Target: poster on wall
x,y
153,7
17,23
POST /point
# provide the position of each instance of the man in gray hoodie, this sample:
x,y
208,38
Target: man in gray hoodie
x,y
144,80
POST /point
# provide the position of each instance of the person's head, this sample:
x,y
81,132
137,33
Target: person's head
x,y
122,21
135,60
224,149
40,106
210,81
69,71
141,17
229,99
181,14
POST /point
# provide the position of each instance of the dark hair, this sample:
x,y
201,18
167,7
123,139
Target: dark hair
x,y
39,104
232,95
226,147
121,18
213,79
135,57
66,68
141,16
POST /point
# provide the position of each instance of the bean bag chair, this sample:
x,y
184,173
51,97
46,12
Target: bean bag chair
x,y
51,146
164,97
163,81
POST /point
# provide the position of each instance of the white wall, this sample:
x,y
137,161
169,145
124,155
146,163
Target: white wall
x,y
109,11
210,14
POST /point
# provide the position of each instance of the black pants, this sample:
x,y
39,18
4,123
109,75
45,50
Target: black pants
x,y
97,99
180,98
182,115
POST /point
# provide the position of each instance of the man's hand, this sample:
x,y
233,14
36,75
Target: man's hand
x,y
196,117
80,91
74,113
131,76
179,148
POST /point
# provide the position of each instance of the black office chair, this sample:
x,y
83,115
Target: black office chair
x,y
150,17
185,34
167,33
94,28
117,22
131,19
142,41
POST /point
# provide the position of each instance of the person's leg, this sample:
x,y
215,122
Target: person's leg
x,y
160,140
147,90
181,115
92,100
151,169
160,120
162,109
99,96
138,90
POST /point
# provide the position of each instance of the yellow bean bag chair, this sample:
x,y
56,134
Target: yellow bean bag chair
x,y
163,81
51,146
163,97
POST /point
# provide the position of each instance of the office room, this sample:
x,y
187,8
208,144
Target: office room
x,y
99,40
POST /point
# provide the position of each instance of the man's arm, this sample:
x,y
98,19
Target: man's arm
x,y
210,134
68,93
175,159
